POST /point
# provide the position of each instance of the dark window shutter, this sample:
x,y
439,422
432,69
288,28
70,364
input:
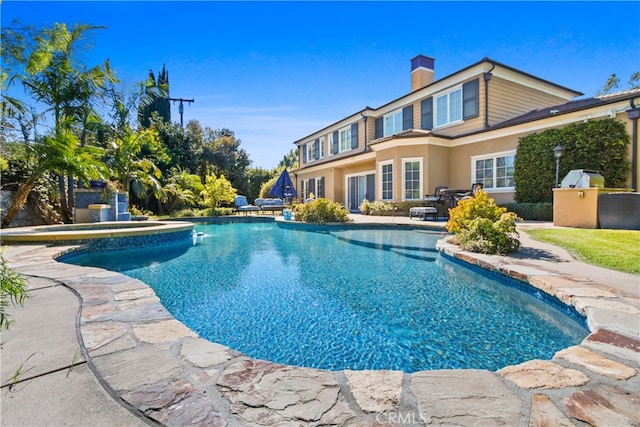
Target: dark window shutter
x,y
470,99
370,192
316,149
321,187
312,187
335,142
407,117
354,136
426,107
304,153
379,127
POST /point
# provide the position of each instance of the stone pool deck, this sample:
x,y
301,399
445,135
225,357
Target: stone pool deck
x,y
93,347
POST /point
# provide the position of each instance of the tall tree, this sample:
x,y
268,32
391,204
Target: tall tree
x,y
156,94
256,177
55,76
184,145
290,160
613,82
223,156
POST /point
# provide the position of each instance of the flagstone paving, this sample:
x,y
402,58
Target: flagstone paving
x,y
164,373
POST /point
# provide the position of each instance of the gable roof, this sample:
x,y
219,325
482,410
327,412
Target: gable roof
x,y
486,60
507,67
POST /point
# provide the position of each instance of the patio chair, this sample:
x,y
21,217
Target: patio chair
x,y
242,205
475,187
437,198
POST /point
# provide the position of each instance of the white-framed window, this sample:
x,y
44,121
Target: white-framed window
x,y
314,150
494,171
385,172
412,178
313,186
308,147
449,107
344,139
393,123
321,147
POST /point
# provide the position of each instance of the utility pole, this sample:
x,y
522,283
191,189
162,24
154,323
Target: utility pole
x,y
181,107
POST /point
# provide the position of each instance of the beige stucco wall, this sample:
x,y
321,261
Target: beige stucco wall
x,y
577,207
461,167
437,169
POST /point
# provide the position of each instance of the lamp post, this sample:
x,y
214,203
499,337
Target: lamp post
x,y
557,153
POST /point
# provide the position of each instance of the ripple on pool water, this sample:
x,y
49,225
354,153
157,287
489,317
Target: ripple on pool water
x,y
349,299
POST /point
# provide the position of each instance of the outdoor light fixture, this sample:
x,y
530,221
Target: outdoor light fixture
x,y
557,153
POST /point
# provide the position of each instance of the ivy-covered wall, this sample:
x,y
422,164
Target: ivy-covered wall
x,y
599,145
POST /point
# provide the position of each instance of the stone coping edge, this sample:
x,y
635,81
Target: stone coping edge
x,y
158,366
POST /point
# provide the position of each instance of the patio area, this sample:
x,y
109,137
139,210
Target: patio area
x,y
97,345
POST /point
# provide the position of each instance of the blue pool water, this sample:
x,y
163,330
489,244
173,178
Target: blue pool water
x,y
346,299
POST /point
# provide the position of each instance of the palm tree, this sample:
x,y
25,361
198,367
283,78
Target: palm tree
x,y
55,76
59,152
182,189
136,174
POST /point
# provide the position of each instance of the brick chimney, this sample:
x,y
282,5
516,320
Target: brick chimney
x,y
422,72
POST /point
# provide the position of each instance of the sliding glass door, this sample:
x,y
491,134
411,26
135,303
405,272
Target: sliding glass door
x,y
360,187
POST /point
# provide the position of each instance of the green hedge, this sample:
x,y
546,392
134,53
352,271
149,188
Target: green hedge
x,y
599,145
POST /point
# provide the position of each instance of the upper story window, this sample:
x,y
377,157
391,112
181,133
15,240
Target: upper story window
x,y
460,103
494,171
308,152
344,139
393,123
319,148
313,150
449,107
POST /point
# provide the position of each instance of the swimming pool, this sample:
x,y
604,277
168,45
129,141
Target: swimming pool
x,y
346,298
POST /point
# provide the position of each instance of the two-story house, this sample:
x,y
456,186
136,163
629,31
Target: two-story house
x,y
454,131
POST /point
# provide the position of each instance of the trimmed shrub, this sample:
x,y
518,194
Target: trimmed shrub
x,y
321,211
487,237
480,225
379,208
480,206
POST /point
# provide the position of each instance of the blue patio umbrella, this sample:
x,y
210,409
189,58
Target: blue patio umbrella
x,y
283,188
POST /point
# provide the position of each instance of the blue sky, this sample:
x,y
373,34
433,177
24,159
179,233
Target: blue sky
x,y
274,72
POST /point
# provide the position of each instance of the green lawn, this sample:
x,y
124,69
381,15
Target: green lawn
x,y
613,249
